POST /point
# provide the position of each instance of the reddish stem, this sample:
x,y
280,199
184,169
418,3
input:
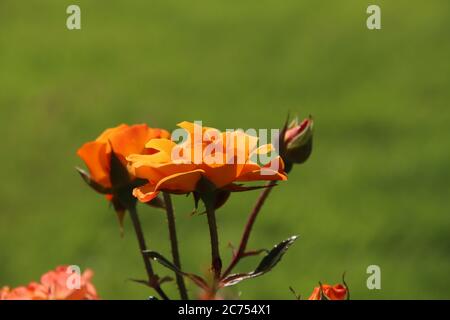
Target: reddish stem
x,y
241,253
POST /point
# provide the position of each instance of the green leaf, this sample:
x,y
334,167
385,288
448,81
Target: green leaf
x,y
146,283
267,263
275,255
199,281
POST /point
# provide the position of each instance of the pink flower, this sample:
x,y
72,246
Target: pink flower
x,y
33,291
55,285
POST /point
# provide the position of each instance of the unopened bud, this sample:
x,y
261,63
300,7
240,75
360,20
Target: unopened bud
x,y
298,141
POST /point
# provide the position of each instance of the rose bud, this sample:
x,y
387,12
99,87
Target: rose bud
x,y
298,141
328,292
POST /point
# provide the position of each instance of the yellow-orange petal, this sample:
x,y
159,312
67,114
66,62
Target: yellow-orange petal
x,y
262,174
132,139
191,126
183,182
196,132
241,144
253,172
161,145
221,175
158,172
139,160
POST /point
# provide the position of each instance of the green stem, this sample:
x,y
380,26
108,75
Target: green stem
x,y
174,245
152,278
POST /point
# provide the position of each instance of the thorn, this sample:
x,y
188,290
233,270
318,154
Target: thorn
x,y
233,250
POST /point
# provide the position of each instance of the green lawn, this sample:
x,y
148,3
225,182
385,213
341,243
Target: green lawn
x,y
375,191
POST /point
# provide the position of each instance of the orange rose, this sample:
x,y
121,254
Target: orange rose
x,y
53,286
336,292
106,160
123,140
221,158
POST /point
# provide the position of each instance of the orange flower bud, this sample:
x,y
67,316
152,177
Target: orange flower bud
x,y
328,292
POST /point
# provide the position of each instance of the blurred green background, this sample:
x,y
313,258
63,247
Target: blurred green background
x,y
375,191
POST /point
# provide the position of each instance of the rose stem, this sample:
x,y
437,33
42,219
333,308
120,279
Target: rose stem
x,y
142,247
241,253
174,245
215,254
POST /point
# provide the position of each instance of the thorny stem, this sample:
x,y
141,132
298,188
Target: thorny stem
x,y
241,253
152,278
174,245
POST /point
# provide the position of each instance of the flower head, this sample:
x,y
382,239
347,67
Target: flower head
x,y
105,158
122,140
54,285
328,292
33,291
221,158
298,141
